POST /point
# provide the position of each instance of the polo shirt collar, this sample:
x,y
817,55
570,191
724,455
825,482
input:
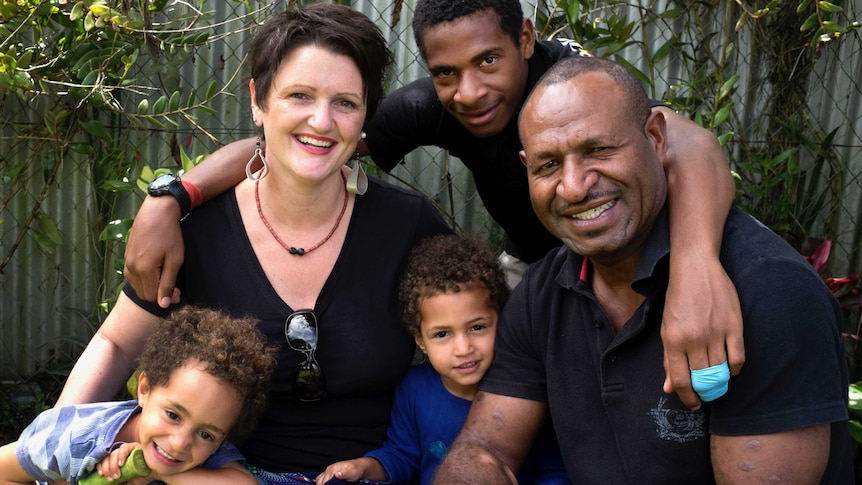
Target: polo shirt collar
x,y
574,270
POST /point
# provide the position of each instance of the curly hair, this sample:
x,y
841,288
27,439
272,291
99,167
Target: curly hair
x,y
449,263
336,28
429,13
231,349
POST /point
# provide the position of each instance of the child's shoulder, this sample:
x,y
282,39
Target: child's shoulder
x,y
423,372
90,411
421,378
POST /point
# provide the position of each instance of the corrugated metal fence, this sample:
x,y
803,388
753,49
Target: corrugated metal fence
x,y
49,301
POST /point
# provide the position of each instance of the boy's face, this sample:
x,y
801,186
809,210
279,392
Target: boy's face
x,y
480,75
183,423
457,331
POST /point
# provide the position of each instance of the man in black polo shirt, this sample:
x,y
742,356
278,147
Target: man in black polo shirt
x,y
484,58
579,340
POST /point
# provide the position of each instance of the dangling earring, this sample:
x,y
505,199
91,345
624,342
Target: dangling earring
x,y
258,153
357,181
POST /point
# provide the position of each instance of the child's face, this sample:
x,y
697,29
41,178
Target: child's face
x,y
457,331
183,423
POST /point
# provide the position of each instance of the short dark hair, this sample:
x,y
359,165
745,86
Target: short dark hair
x,y
230,349
449,263
337,28
429,13
571,67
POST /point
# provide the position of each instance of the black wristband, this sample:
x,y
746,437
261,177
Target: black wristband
x,y
170,184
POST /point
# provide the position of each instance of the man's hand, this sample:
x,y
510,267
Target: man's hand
x,y
702,324
155,253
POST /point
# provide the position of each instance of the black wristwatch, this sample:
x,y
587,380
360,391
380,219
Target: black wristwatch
x,y
169,184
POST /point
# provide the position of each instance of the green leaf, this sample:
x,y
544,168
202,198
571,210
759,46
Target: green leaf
x,y
211,92
95,128
13,172
833,27
635,71
664,50
159,105
89,21
722,115
804,4
82,148
574,11
829,7
117,230
723,139
46,226
673,13
90,79
185,161
143,107
24,60
174,102
154,121
192,98
855,394
77,12
727,87
147,174
811,22
743,19
855,430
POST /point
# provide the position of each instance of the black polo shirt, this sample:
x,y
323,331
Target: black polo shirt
x,y
604,389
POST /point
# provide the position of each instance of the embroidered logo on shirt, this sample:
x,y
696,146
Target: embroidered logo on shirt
x,y
677,425
437,449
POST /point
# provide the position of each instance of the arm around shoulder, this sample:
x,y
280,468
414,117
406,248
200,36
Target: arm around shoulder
x,y
154,252
702,324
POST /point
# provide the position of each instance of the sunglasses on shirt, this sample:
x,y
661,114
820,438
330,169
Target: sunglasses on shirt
x,y
300,330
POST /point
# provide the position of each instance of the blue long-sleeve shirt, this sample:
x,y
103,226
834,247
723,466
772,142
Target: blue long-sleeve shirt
x,y
425,420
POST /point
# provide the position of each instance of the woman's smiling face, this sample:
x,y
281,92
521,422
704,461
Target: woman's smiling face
x,y
313,114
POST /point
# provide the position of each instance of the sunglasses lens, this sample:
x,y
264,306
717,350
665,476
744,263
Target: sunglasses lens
x,y
301,332
308,381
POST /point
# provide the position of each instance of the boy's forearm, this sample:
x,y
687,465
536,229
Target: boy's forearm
x,y
223,169
700,187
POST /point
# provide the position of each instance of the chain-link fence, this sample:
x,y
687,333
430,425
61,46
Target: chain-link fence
x,y
58,198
